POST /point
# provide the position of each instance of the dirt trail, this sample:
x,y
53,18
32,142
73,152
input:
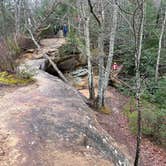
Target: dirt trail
x,y
117,125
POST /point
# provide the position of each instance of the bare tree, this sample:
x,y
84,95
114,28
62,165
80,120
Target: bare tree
x,y
159,48
86,18
112,41
100,21
104,73
138,25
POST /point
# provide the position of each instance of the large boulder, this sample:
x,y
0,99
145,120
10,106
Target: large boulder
x,y
47,122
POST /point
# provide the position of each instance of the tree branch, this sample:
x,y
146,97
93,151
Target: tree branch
x,y
93,13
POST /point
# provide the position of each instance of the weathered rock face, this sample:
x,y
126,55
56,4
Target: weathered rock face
x,y
49,118
65,62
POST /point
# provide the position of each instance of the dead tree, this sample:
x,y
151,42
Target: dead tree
x,y
46,56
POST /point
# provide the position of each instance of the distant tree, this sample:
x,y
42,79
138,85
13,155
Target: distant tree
x,y
159,48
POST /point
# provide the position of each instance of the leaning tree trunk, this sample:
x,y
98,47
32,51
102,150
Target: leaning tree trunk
x,y
159,49
111,47
138,82
88,53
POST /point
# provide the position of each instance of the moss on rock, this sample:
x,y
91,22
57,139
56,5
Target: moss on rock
x,y
12,79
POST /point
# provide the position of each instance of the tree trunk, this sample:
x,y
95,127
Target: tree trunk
x,y
33,38
159,49
17,16
100,96
90,69
138,83
111,47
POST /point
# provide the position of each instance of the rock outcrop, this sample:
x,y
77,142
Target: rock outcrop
x,y
65,62
48,122
48,117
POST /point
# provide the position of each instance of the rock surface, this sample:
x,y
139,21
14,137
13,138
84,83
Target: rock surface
x,y
66,62
50,118
48,122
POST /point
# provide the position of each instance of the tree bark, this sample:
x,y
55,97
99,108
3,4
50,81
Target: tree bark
x,y
33,38
138,83
86,19
159,48
88,53
111,47
100,96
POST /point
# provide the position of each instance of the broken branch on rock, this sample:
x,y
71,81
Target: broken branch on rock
x,y
56,68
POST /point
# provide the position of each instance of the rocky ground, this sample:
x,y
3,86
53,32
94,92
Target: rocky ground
x,y
49,119
47,123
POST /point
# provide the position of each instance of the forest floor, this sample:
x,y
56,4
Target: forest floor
x,y
117,125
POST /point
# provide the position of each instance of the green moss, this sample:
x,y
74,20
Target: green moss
x,y
11,79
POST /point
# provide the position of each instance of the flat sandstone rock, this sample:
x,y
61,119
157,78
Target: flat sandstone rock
x,y
45,122
49,124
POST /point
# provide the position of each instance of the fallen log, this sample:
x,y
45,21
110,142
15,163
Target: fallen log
x,y
56,68
114,78
116,72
